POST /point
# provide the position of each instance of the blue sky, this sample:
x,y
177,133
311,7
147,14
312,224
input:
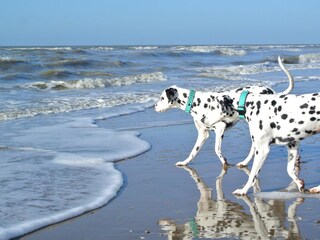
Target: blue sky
x,y
155,22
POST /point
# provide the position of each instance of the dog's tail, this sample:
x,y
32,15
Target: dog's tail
x,y
291,82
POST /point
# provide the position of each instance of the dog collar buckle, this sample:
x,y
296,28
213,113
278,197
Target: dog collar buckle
x,y
241,107
190,101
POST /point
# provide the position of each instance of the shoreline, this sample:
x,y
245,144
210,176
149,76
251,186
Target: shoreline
x,y
161,201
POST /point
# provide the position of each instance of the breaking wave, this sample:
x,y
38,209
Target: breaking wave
x,y
7,61
88,83
211,49
144,47
302,59
239,72
60,105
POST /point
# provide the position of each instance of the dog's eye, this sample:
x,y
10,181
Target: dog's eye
x,y
162,98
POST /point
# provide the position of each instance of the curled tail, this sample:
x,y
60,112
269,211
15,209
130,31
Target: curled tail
x,y
291,82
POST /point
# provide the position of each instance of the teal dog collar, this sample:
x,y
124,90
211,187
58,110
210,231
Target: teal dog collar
x,y
242,101
190,101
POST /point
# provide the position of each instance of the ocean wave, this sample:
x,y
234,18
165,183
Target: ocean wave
x,y
88,83
56,73
63,105
7,61
211,49
239,72
144,47
41,48
102,48
303,58
73,62
15,76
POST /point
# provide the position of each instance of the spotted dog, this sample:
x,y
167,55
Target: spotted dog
x,y
283,120
211,111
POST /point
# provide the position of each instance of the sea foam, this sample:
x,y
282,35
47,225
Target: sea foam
x,y
88,83
59,170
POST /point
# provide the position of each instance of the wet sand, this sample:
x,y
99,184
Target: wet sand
x,y
162,201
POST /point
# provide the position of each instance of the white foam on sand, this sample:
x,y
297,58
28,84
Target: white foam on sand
x,y
61,169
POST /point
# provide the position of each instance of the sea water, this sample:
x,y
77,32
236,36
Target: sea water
x,y
56,162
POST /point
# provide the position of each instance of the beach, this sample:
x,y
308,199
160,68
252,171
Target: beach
x,y
84,155
161,201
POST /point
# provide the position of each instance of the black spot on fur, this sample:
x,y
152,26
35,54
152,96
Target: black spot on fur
x,y
301,122
284,116
272,125
205,105
171,92
304,106
267,91
203,118
291,120
260,125
273,103
258,105
185,95
312,119
289,140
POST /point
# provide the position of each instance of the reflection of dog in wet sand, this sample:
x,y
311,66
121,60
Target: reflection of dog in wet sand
x,y
222,218
209,112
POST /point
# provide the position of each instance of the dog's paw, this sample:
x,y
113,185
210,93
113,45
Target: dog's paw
x,y
239,192
241,165
315,190
183,163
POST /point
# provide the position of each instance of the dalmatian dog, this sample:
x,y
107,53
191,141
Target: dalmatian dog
x,y
211,111
284,120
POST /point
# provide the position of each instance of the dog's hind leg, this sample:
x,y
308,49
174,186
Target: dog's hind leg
x,y
219,130
203,135
245,162
291,167
261,152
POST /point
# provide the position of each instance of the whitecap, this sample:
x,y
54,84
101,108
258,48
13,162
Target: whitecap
x,y
88,83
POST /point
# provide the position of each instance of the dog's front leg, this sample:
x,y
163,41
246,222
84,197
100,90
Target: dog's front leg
x,y
219,130
203,135
262,150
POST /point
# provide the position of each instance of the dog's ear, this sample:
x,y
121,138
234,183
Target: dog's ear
x,y
171,92
226,104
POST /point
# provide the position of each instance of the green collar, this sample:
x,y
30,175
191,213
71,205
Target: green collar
x,y
190,101
242,101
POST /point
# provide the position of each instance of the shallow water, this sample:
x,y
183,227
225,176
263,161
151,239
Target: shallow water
x,y
53,153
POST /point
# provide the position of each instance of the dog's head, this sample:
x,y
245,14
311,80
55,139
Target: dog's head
x,y
168,99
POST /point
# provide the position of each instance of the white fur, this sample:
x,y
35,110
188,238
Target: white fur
x,y
283,120
212,111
